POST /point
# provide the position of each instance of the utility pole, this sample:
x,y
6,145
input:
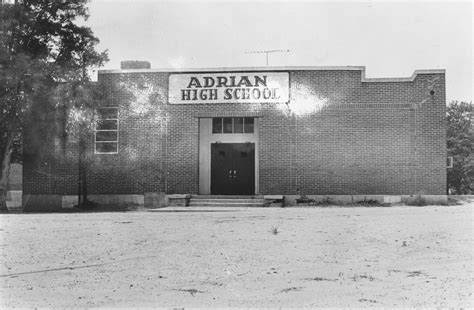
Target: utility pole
x,y
267,52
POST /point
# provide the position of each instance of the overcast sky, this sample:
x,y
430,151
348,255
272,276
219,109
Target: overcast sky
x,y
391,39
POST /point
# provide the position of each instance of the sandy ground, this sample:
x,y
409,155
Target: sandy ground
x,y
317,257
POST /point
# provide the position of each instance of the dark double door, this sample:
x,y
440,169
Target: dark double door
x,y
233,168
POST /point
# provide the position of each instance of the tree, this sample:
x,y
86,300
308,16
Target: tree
x,y
77,102
460,139
41,48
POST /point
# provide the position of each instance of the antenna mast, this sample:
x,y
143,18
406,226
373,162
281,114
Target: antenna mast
x,y
267,52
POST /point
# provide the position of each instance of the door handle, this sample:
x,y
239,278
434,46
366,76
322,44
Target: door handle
x,y
235,174
230,173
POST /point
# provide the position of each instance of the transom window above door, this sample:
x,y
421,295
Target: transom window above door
x,y
233,125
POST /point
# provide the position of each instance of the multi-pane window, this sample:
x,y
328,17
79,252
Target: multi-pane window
x,y
233,125
106,131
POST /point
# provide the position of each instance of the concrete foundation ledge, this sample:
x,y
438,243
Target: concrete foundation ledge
x,y
414,200
424,200
274,200
41,203
69,201
178,200
155,200
14,200
52,203
118,200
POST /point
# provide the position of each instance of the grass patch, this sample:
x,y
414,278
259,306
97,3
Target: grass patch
x,y
364,276
274,230
416,273
320,279
369,203
291,289
191,291
100,208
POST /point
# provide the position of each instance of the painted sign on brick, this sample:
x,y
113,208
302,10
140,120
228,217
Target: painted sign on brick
x,y
235,87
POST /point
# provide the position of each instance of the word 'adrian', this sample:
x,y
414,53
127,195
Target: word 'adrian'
x,y
224,81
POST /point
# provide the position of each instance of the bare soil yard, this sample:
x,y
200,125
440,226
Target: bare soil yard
x,y
295,257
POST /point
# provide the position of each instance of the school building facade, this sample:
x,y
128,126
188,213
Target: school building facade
x,y
291,131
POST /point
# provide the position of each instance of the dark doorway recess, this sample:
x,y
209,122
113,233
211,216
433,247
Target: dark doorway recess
x,y
233,168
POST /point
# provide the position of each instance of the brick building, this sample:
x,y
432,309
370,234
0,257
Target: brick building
x,y
254,131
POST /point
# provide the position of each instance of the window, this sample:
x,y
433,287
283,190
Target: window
x,y
228,124
106,131
233,125
238,125
217,125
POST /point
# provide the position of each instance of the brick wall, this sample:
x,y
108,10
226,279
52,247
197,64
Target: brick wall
x,y
357,138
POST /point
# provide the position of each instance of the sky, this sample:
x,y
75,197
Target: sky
x,y
391,39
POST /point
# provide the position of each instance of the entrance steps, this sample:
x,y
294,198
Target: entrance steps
x,y
226,201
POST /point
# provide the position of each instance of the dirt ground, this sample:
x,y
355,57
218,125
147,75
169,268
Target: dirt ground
x,y
293,257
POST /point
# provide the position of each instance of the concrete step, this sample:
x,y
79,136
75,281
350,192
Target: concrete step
x,y
208,200
236,201
242,205
200,209
226,196
227,202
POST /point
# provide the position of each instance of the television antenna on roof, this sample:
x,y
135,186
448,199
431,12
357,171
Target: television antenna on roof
x,y
267,52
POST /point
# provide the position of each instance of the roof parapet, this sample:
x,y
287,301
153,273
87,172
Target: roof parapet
x,y
291,68
403,79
